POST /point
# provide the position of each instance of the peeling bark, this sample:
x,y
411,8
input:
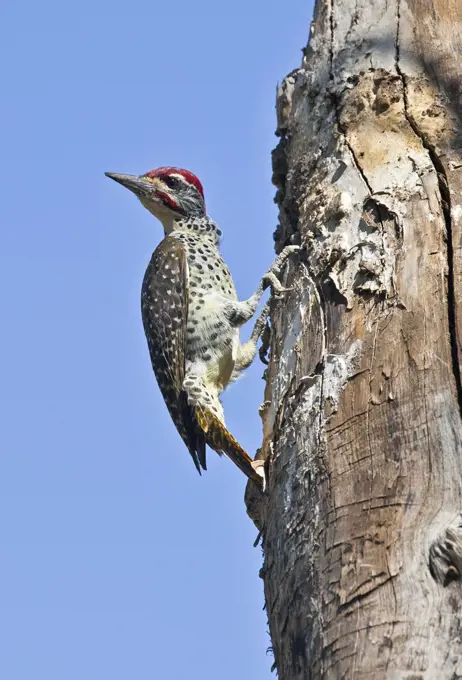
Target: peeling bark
x,y
362,420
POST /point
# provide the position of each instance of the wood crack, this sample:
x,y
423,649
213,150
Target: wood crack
x,y
374,584
445,202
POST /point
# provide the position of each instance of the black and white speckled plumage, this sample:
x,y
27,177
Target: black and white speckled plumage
x,y
192,343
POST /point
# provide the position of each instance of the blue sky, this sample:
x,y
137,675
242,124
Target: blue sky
x,y
117,560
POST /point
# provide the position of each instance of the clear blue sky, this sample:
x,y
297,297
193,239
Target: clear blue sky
x,y
117,561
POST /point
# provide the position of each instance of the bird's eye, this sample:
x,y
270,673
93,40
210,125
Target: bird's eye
x,y
171,182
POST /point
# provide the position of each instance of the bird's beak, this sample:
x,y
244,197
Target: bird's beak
x,y
139,185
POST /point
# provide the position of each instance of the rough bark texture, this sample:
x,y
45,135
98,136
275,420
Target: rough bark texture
x,y
362,532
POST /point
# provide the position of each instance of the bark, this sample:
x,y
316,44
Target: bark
x,y
361,523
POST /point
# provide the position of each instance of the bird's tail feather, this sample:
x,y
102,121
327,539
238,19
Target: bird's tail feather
x,y
222,441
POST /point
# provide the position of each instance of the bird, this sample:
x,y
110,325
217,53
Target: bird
x,y
192,315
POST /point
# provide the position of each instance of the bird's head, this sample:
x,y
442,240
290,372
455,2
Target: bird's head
x,y
168,193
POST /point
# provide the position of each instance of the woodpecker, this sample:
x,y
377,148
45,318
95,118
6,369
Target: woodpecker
x,y
191,313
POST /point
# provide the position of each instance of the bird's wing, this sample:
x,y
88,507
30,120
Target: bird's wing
x,y
164,309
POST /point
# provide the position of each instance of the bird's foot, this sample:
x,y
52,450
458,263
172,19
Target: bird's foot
x,y
271,278
265,344
278,290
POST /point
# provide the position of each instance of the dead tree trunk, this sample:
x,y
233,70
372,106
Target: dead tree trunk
x,y
362,531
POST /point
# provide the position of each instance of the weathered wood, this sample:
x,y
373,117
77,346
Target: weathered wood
x,y
362,531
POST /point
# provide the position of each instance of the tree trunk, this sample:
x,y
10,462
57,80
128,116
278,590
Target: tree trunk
x,y
361,523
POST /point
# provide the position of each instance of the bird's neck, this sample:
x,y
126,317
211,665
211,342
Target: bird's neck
x,y
168,223
202,226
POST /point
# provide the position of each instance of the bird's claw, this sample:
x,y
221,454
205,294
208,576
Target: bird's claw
x,y
280,292
285,254
272,277
265,344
